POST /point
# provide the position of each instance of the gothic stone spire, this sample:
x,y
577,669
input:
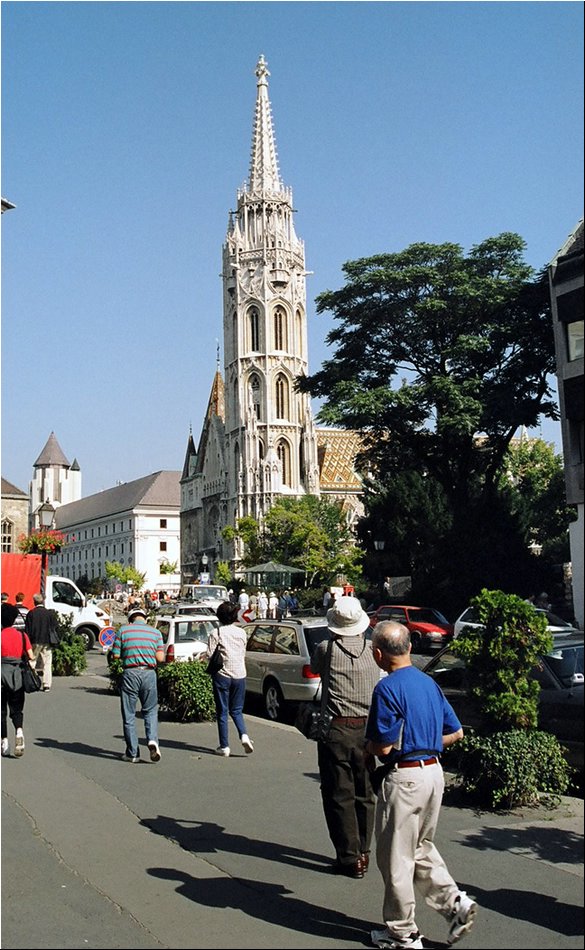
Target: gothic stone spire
x,y
264,174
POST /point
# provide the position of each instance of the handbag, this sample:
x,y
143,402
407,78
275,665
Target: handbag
x,y
215,662
313,722
31,680
313,718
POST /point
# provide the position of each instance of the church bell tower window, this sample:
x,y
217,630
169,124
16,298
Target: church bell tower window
x,y
280,334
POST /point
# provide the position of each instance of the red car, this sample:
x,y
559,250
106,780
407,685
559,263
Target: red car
x,y
428,628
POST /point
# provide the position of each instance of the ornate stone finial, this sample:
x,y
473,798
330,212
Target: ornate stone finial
x,y
262,71
217,354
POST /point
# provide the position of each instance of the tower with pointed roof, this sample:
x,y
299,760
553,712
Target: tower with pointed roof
x,y
55,480
268,446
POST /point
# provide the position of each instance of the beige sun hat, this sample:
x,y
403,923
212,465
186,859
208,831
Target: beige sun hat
x,y
347,618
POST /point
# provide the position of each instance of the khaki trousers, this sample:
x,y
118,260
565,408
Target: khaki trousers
x,y
406,818
44,653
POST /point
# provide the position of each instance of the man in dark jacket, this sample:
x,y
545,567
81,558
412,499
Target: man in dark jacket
x,y
348,676
41,626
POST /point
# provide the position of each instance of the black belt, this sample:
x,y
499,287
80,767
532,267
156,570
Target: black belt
x,y
138,667
414,763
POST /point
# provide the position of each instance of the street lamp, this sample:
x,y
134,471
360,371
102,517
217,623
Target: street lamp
x,y
46,514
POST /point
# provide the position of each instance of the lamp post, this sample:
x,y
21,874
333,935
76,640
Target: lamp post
x,y
204,563
46,515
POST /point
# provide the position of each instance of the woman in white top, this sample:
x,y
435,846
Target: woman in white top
x,y
229,684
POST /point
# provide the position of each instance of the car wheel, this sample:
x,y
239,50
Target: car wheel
x,y
273,700
88,637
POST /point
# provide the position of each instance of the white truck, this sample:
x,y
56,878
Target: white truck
x,y
22,573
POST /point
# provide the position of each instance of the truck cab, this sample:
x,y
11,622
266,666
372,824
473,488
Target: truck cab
x,y
63,596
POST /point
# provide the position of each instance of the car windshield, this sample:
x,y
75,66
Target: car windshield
x,y
426,615
194,630
554,621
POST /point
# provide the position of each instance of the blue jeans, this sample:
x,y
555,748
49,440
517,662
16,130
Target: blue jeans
x,y
229,695
139,684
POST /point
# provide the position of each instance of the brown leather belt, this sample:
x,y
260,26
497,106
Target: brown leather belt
x,y
417,763
349,720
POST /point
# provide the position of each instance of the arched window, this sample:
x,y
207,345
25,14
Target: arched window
x,y
254,329
283,453
280,334
282,401
256,394
236,465
7,536
299,333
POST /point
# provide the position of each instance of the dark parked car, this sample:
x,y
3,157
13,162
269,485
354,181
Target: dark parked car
x,y
560,674
278,658
428,628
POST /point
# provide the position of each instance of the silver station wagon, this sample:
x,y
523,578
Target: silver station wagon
x,y
278,661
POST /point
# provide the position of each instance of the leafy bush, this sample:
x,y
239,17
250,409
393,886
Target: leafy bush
x,y
513,768
184,690
512,763
501,656
69,657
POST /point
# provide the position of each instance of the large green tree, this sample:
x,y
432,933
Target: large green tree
x,y
439,358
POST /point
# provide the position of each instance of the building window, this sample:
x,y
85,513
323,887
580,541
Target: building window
x,y
254,328
575,340
280,335
282,407
7,536
255,395
283,452
163,546
163,523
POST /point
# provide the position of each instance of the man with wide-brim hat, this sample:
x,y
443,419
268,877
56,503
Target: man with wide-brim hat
x,y
348,675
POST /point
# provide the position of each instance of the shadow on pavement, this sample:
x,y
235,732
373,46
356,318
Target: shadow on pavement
x,y
268,902
539,909
207,837
554,845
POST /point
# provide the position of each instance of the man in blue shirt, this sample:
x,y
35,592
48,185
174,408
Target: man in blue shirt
x,y
409,724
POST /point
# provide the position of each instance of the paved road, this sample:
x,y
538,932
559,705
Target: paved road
x,y
203,852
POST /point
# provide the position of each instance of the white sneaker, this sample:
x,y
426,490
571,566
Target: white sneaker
x,y
154,751
385,940
19,745
5,747
463,918
247,743
222,751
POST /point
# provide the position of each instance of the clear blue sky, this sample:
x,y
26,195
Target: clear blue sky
x,y
126,134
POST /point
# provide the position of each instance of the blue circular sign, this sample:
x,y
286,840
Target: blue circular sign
x,y
107,637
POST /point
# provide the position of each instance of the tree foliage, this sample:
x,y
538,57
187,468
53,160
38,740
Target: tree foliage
x,y
125,574
309,532
439,358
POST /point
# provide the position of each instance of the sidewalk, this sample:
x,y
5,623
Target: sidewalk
x,y
203,852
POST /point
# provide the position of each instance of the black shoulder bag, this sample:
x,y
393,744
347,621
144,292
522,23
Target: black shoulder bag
x,y
30,678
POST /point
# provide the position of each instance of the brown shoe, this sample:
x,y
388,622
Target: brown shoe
x,y
355,869
365,860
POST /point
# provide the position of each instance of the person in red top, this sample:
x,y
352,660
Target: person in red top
x,y
14,644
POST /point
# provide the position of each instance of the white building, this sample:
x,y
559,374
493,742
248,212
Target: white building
x,y
137,524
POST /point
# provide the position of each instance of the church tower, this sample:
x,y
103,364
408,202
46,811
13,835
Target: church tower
x,y
270,441
258,440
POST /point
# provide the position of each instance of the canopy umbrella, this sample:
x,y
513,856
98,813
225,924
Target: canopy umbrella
x,y
272,573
